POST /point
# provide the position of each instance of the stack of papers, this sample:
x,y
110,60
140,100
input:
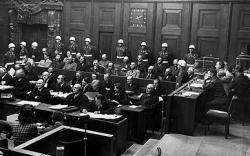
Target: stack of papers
x,y
133,106
23,102
58,107
102,116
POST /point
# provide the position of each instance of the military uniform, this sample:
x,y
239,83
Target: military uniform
x,y
145,53
166,57
35,55
9,57
121,51
190,58
22,52
58,46
89,52
73,48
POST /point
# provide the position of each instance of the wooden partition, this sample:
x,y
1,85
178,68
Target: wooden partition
x,y
167,85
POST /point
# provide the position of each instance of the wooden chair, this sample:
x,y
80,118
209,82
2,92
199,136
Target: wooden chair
x,y
222,117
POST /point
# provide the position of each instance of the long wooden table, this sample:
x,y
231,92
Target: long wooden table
x,y
184,109
116,127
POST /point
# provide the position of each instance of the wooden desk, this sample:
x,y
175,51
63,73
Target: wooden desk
x,y
98,144
136,122
184,111
116,127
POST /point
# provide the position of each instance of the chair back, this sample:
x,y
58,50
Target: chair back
x,y
233,99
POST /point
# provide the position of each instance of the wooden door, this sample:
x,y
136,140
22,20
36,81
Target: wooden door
x,y
35,33
240,31
210,29
77,21
106,27
138,26
173,27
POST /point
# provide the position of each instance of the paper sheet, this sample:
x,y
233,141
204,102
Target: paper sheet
x,y
58,106
23,102
102,116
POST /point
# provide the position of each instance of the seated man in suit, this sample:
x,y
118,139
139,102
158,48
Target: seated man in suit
x,y
21,84
107,83
102,106
4,76
150,74
159,90
39,93
70,64
30,73
104,62
77,79
97,68
61,85
241,87
214,91
182,75
159,68
46,62
133,71
48,79
125,66
149,101
86,85
141,66
78,99
119,97
131,88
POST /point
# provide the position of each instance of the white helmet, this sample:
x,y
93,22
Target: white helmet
x,y
11,45
87,40
34,44
23,43
191,46
182,63
164,45
44,49
72,38
143,44
121,41
58,38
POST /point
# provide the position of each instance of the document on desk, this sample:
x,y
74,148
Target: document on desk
x,y
23,102
58,107
60,95
102,116
133,106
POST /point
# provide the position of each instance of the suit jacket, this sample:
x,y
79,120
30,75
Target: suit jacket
x,y
149,101
182,77
214,89
98,70
142,67
58,64
241,85
82,67
122,98
131,87
81,101
150,76
65,88
42,95
159,69
21,85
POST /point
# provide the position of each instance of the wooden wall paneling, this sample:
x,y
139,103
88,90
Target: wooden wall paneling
x,y
4,28
240,31
210,29
172,26
106,27
77,21
138,26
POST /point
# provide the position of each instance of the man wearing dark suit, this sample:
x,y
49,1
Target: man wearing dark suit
x,y
96,68
61,85
30,74
39,93
214,91
107,83
119,96
77,98
241,87
141,66
21,84
131,88
159,68
182,75
150,74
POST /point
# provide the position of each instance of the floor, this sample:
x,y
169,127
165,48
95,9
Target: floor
x,y
213,144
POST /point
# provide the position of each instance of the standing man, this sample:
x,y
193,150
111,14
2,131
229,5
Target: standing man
x,y
10,56
121,51
191,56
145,53
165,55
34,54
59,47
89,51
73,47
